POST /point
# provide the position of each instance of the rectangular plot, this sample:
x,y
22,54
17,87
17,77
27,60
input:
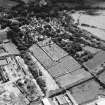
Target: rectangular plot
x,y
101,77
95,62
55,52
41,56
73,78
87,92
65,65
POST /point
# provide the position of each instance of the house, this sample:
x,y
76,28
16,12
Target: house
x,y
15,68
29,88
3,76
10,94
64,98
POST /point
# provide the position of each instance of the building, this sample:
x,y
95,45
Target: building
x,y
13,70
29,88
3,76
64,98
10,94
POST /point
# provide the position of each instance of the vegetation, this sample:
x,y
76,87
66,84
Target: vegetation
x,y
42,83
60,29
36,72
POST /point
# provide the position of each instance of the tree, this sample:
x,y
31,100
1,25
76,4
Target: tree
x,y
42,83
